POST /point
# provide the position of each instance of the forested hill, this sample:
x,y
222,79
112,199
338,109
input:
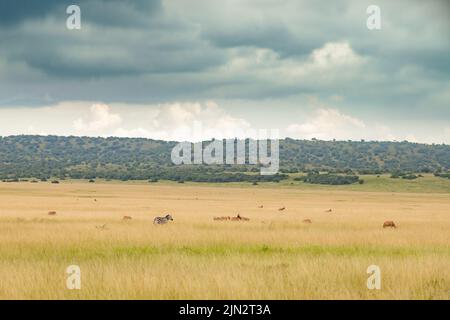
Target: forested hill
x,y
136,158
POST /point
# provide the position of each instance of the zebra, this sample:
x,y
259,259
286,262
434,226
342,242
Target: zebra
x,y
162,220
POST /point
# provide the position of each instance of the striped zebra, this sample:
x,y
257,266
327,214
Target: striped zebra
x,y
162,220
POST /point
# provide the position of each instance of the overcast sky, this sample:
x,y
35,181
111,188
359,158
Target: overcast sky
x,y
154,68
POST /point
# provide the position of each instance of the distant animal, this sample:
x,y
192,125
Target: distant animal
x,y
127,218
221,218
101,227
162,220
52,213
307,221
281,209
329,210
239,218
389,224
261,206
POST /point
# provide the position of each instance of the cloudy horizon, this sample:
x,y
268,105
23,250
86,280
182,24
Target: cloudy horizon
x,y
155,68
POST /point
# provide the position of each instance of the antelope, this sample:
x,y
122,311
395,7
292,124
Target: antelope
x,y
221,218
52,213
389,224
239,218
307,221
329,210
281,209
101,227
127,218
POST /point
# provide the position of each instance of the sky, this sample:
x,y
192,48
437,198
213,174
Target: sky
x,y
161,68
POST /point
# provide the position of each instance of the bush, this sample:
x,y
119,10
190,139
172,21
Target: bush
x,y
409,176
330,179
443,175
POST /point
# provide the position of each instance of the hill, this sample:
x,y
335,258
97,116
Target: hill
x,y
137,158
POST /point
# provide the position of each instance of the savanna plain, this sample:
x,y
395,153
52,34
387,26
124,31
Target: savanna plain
x,y
274,255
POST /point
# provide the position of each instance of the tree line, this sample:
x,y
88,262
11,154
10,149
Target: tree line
x,y
45,157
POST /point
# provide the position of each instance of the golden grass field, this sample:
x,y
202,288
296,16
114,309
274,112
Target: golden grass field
x,y
273,256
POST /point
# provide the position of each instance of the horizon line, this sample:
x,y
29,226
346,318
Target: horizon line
x,y
213,139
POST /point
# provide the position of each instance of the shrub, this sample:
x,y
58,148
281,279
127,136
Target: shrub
x,y
331,179
409,176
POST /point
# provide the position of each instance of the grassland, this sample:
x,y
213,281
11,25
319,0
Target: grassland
x,y
273,256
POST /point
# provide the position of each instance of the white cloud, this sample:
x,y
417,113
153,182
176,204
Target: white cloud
x,y
327,124
100,118
172,121
195,121
335,54
188,121
265,63
383,132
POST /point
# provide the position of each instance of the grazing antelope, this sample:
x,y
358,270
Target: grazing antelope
x,y
221,218
329,210
162,220
239,218
102,227
307,221
389,224
52,213
261,206
127,218
281,209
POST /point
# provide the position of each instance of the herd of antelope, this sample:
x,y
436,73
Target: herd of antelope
x,y
238,217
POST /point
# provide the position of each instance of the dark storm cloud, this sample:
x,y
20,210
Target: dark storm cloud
x,y
117,38
108,12
13,12
275,37
147,51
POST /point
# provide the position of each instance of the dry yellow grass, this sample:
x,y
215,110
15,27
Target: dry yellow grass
x,y
273,256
